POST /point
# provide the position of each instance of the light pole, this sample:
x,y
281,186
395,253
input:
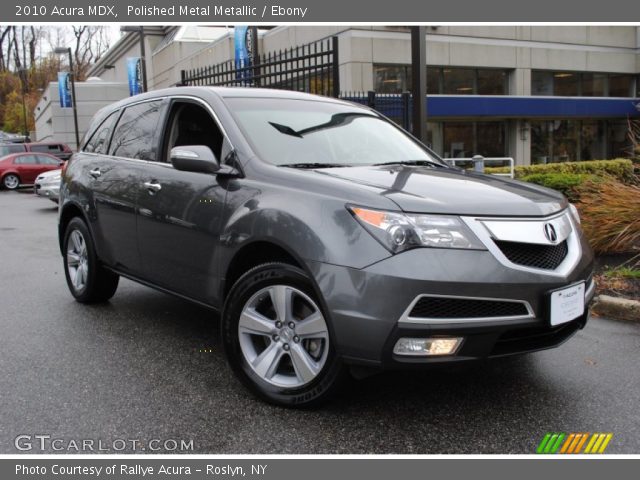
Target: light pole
x,y
143,54
63,50
23,79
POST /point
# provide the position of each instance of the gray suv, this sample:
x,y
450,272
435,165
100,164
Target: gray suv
x,y
330,240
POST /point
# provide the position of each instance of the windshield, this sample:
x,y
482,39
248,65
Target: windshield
x,y
309,133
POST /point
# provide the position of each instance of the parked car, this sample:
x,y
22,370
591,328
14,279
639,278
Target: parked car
x,y
47,185
23,168
60,150
328,238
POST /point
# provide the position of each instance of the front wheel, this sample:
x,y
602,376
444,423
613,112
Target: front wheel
x,y
276,337
87,280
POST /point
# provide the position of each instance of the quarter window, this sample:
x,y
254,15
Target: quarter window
x,y
136,135
99,141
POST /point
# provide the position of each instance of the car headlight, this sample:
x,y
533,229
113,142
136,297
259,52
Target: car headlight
x,y
574,213
402,231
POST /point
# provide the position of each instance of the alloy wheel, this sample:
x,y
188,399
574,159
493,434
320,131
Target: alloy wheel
x,y
283,336
77,260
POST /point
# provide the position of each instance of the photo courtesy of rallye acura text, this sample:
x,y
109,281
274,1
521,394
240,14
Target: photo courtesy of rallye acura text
x,y
329,239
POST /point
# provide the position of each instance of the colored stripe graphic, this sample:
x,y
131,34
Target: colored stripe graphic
x,y
573,443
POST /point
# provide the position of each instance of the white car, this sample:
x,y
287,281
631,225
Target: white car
x,y
47,185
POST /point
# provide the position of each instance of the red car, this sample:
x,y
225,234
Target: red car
x,y
23,168
60,150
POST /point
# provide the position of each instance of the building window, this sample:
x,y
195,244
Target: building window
x,y
466,139
443,80
555,141
492,82
621,85
458,81
594,85
392,78
541,83
582,84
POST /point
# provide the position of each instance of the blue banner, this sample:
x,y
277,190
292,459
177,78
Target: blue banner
x,y
240,46
245,46
64,90
134,75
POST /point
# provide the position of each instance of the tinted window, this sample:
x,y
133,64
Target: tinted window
x,y
25,160
46,148
136,135
42,160
99,141
11,148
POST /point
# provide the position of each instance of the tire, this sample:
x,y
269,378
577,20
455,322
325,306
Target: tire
x,y
293,367
11,181
88,281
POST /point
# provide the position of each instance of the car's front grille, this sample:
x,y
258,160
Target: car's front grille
x,y
547,257
442,307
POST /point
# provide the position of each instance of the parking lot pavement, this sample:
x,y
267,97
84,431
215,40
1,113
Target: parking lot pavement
x,y
149,366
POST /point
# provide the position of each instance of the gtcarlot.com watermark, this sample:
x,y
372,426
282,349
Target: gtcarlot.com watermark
x,y
50,443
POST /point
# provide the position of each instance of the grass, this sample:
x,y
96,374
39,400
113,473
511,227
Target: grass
x,y
623,272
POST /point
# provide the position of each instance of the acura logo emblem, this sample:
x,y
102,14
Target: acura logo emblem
x,y
550,233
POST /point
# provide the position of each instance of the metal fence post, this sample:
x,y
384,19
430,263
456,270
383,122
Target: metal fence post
x,y
336,68
183,78
406,107
371,99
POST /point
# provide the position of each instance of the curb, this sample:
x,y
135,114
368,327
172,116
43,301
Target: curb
x,y
617,308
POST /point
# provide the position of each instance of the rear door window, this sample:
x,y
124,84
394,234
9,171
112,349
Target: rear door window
x,y
136,135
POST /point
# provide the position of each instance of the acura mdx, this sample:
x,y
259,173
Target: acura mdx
x,y
329,239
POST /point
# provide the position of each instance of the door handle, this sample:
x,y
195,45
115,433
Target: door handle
x,y
95,173
152,187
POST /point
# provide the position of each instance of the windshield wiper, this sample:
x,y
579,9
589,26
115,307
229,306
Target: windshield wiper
x,y
429,163
315,165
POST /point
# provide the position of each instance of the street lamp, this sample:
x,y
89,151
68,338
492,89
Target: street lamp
x,y
23,79
143,55
60,51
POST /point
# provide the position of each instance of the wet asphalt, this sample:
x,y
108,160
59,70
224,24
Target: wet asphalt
x,y
149,366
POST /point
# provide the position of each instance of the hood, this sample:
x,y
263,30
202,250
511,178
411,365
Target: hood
x,y
452,191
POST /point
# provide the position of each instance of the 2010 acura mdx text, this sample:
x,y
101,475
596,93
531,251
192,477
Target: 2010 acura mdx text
x,y
328,238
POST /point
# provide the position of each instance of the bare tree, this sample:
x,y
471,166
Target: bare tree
x,y
90,44
3,58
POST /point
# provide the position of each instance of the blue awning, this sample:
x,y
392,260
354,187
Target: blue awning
x,y
527,107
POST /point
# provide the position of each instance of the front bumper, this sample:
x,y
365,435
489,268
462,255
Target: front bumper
x,y
50,191
367,307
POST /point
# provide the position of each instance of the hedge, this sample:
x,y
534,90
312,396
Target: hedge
x,y
621,169
566,183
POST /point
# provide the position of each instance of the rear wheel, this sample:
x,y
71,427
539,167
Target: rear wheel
x,y
11,181
277,338
87,280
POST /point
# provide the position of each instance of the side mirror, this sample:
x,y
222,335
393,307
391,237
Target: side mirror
x,y
194,158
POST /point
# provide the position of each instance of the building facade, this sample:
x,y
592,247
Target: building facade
x,y
536,93
55,124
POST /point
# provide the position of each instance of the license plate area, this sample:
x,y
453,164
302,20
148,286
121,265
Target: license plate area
x,y
566,304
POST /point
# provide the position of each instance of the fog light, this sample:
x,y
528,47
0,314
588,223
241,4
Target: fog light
x,y
426,346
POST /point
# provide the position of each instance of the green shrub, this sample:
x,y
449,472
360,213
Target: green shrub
x,y
566,183
621,169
